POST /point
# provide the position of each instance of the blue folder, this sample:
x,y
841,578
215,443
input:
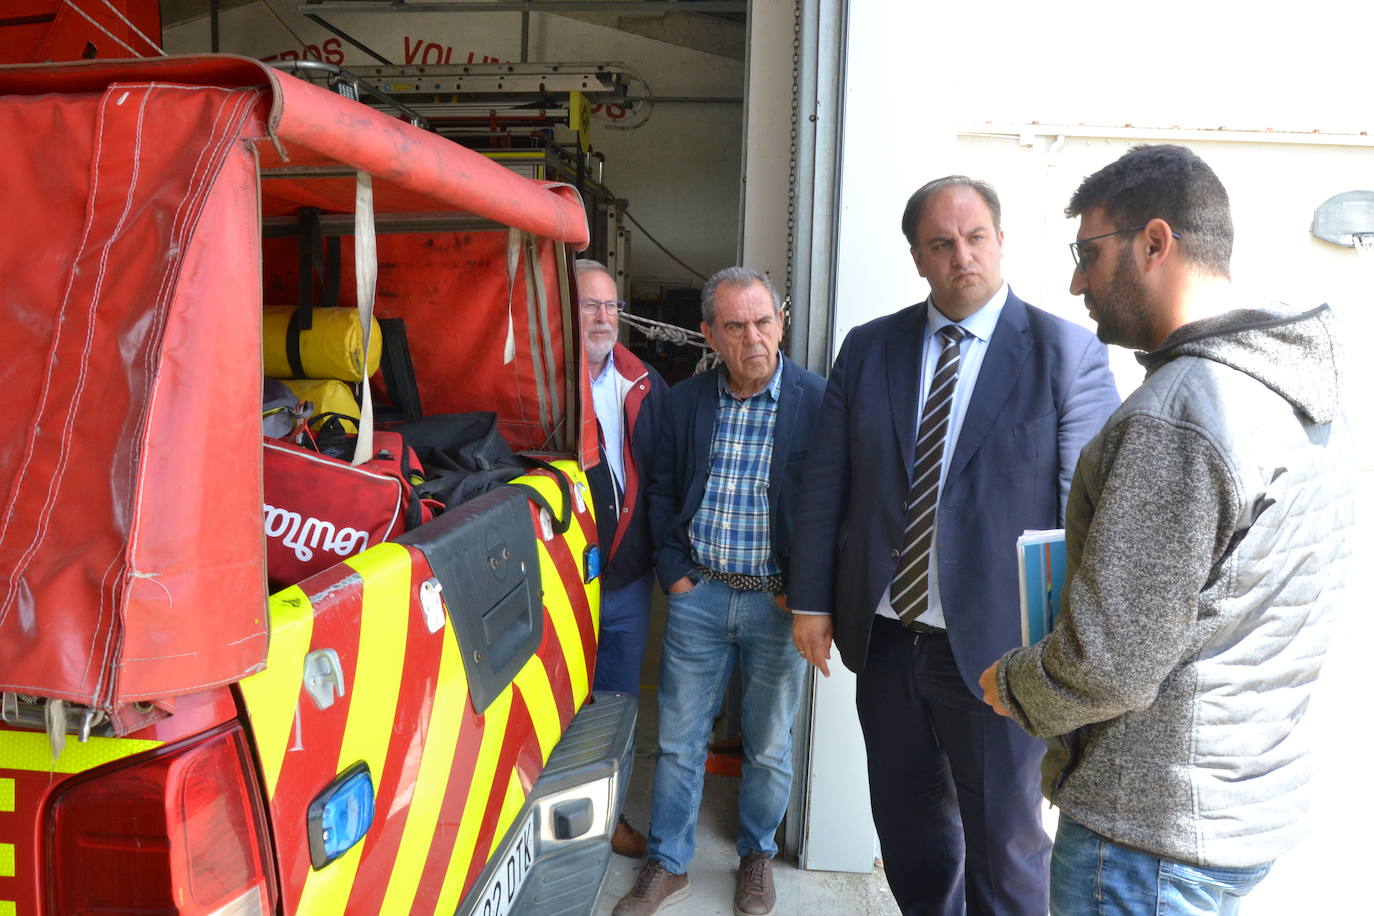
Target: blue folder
x,y
1041,560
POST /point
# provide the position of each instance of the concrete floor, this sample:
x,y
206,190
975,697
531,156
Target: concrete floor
x,y
713,870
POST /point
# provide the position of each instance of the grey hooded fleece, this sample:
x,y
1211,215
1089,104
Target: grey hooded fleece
x,y
1209,538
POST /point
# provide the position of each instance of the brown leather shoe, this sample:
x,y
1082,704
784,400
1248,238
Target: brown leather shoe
x,y
627,841
754,894
655,888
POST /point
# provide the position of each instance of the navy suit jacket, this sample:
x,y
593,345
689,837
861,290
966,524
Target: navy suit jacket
x,y
683,459
1043,391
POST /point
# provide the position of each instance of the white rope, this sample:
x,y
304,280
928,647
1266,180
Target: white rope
x,y
82,13
365,276
658,330
683,337
671,333
133,28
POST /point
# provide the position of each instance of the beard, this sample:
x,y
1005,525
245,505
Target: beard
x,y
599,346
1123,308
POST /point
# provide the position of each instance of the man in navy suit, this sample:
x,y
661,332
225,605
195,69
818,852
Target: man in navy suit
x,y
948,428
724,494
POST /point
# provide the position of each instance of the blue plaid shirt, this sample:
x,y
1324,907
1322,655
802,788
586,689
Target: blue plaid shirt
x,y
729,532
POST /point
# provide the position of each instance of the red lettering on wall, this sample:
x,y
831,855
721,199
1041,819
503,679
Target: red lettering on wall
x,y
425,52
331,50
611,112
411,52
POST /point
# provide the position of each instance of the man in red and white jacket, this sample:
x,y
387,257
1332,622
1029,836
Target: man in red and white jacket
x,y
630,398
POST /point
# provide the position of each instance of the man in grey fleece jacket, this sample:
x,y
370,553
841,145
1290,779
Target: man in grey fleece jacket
x,y
1208,535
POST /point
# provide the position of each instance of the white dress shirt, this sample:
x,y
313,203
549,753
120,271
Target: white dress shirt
x,y
606,401
978,327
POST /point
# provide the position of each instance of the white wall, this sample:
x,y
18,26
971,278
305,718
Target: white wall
x,y
920,73
680,171
920,77
1184,63
1274,189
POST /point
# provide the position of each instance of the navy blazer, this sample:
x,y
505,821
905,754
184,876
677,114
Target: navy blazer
x,y
684,457
1043,391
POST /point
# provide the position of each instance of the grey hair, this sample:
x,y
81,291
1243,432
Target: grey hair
x,y
587,265
736,277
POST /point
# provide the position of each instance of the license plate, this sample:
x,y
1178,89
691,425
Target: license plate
x,y
504,884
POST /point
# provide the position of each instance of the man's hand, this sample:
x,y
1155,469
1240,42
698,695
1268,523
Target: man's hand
x,y
681,586
988,681
811,634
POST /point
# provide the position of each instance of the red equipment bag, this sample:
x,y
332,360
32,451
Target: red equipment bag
x,y
318,510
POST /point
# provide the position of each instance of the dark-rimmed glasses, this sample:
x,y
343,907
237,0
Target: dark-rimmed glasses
x,y
1082,260
592,306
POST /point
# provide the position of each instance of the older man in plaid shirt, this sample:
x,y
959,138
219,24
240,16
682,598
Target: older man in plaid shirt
x,y
722,500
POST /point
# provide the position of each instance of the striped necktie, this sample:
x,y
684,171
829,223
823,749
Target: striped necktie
x,y
911,584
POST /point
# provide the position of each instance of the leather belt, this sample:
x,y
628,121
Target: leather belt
x,y
773,585
894,628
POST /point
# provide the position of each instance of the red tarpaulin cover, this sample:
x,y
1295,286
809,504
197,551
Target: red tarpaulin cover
x,y
131,543
452,291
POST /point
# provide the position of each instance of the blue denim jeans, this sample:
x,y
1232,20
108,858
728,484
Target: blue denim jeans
x,y
1090,874
709,628
623,636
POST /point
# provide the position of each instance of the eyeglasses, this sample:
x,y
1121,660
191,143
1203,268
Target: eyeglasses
x,y
1083,259
592,306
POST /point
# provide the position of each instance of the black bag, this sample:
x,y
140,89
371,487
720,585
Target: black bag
x,y
463,455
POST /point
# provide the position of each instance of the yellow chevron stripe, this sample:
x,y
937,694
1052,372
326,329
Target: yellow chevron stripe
x,y
385,570
431,781
514,801
537,692
564,627
7,908
31,751
594,599
560,609
272,695
6,860
6,794
494,722
577,544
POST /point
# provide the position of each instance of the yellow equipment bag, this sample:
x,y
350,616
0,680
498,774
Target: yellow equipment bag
x,y
329,395
331,349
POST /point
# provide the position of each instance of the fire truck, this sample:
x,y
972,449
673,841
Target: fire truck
x,y
408,727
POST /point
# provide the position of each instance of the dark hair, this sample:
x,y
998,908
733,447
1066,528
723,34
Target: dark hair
x,y
1170,183
916,204
732,276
